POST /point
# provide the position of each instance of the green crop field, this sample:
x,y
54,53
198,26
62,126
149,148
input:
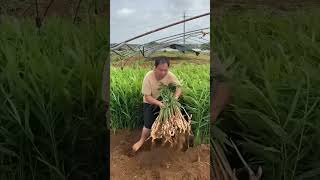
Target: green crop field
x,y
273,62
52,112
126,97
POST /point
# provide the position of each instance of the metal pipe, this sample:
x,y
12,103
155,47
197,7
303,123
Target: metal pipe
x,y
130,47
181,34
170,41
197,31
179,37
164,27
184,36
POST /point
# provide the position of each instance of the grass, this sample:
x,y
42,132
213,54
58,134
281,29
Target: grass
x,y
274,63
52,113
126,98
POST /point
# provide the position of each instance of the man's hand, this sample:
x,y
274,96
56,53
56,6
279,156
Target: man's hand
x,y
160,104
154,101
178,93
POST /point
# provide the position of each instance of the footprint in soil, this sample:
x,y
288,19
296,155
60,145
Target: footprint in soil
x,y
187,176
156,158
129,152
155,174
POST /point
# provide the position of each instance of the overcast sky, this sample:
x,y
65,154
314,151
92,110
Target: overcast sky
x,y
130,18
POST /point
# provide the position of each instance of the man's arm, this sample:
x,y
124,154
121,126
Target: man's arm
x,y
178,93
153,101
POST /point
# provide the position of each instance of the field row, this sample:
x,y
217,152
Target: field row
x,y
126,98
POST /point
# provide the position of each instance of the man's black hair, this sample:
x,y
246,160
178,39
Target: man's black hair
x,y
161,60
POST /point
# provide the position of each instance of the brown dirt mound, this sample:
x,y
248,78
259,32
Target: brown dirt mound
x,y
129,62
156,162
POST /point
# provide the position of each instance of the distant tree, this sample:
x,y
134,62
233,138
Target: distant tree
x,y
205,46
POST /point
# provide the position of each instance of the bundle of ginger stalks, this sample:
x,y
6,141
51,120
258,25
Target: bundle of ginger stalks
x,y
170,123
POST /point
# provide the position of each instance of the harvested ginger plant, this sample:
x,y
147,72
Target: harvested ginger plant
x,y
170,123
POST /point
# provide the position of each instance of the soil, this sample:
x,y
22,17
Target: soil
x,y
156,162
179,58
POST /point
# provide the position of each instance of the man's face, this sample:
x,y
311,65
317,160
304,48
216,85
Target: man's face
x,y
161,70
